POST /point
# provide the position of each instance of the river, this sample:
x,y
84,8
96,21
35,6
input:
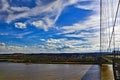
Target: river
x,y
21,71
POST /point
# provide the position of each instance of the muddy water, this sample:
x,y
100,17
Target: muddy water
x,y
107,72
20,71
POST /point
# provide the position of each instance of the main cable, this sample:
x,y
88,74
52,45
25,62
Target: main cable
x,y
113,29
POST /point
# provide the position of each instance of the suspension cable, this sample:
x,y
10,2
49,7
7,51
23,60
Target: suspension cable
x,y
100,25
113,29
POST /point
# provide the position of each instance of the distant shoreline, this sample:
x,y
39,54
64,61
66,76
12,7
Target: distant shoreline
x,y
57,58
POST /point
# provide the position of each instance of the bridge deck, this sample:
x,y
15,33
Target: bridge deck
x,y
116,69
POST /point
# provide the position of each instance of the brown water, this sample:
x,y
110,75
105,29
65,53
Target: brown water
x,y
107,72
19,71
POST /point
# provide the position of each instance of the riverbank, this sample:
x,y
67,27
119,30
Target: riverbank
x,y
51,58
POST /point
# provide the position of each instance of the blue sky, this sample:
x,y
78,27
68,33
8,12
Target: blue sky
x,y
49,26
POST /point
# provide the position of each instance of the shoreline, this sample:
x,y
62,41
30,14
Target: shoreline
x,y
83,63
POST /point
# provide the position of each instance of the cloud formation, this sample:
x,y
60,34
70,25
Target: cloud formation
x,y
88,29
2,44
53,46
79,37
65,45
50,11
20,25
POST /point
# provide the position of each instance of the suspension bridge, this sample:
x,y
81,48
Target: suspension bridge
x,y
110,33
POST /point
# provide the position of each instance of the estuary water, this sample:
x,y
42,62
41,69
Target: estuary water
x,y
21,71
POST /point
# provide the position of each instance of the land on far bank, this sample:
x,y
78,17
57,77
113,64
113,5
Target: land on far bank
x,y
61,58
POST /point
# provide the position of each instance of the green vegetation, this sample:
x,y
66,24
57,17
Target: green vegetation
x,y
57,58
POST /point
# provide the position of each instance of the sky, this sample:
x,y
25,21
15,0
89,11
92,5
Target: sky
x,y
49,26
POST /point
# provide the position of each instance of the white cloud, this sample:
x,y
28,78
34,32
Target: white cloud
x,y
5,4
91,24
17,49
20,9
40,24
20,25
42,39
92,6
51,10
2,47
65,45
53,46
3,34
2,44
83,35
54,9
14,48
21,35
